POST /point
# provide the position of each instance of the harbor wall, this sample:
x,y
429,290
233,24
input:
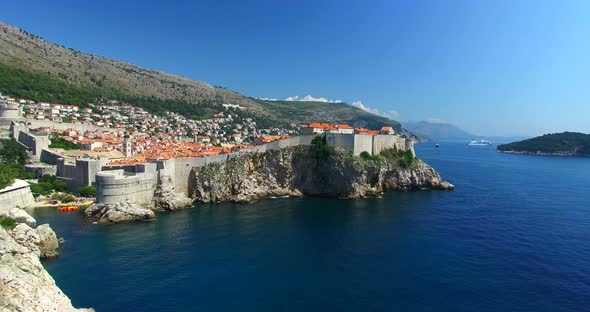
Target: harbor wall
x,y
18,194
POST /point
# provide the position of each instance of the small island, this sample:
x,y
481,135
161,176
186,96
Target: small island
x,y
554,144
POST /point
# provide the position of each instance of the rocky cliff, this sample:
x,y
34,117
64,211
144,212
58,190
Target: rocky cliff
x,y
24,283
302,170
126,211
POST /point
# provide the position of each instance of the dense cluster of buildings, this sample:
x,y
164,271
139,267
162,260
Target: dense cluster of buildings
x,y
113,136
226,127
321,128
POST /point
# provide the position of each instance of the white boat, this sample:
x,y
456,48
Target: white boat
x,y
479,143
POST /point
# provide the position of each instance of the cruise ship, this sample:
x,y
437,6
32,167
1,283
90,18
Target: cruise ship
x,y
479,143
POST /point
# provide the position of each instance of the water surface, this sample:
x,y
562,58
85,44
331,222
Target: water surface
x,y
513,236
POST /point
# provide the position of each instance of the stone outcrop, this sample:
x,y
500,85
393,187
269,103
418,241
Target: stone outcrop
x,y
299,171
24,283
18,215
48,243
166,196
125,211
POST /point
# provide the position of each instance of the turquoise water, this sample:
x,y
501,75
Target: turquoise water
x,y
513,236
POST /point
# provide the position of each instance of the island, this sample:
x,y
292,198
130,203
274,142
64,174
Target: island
x,y
553,144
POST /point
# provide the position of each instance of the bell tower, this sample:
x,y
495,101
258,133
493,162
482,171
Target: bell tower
x,y
127,146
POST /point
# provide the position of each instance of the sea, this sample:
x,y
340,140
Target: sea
x,y
513,236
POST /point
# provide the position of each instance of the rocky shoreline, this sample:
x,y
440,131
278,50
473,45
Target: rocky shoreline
x,y
24,283
292,171
295,171
539,153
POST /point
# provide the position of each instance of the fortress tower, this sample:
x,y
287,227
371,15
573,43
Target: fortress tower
x,y
8,113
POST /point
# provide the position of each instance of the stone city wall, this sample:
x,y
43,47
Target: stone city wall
x,y
34,143
116,180
383,141
183,167
50,157
33,124
362,143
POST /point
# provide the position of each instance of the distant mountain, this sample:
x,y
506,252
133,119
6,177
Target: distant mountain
x,y
562,144
33,68
437,131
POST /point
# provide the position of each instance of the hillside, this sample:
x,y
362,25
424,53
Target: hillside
x,y
31,67
307,112
565,144
437,131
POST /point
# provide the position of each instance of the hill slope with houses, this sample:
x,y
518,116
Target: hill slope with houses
x,y
33,68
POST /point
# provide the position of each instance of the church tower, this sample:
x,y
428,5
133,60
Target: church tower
x,y
127,146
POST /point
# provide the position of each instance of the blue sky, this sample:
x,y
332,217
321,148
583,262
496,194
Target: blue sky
x,y
491,67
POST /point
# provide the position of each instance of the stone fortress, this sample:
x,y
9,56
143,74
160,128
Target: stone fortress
x,y
169,178
9,112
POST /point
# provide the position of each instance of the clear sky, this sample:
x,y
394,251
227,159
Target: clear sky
x,y
492,67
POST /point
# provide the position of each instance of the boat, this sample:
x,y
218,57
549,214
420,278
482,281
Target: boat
x,y
67,208
436,145
479,143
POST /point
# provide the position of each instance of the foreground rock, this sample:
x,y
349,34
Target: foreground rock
x,y
298,171
48,243
127,211
24,283
18,215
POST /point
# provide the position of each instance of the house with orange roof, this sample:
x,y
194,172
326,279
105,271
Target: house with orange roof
x,y
387,130
361,131
344,129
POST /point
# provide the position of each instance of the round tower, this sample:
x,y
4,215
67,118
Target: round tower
x,y
9,111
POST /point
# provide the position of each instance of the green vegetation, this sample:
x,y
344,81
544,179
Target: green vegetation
x,y
307,112
570,143
43,71
58,142
366,156
8,223
13,152
11,171
43,87
47,185
200,110
404,159
87,191
320,148
13,157
63,197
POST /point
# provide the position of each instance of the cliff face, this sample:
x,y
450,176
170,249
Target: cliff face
x,y
298,171
24,283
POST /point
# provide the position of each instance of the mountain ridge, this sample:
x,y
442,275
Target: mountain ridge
x,y
438,131
89,77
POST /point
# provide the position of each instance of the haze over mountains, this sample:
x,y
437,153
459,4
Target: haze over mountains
x,y
443,131
437,131
31,67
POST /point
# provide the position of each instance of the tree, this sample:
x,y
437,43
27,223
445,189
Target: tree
x,y
57,142
87,191
321,148
13,152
